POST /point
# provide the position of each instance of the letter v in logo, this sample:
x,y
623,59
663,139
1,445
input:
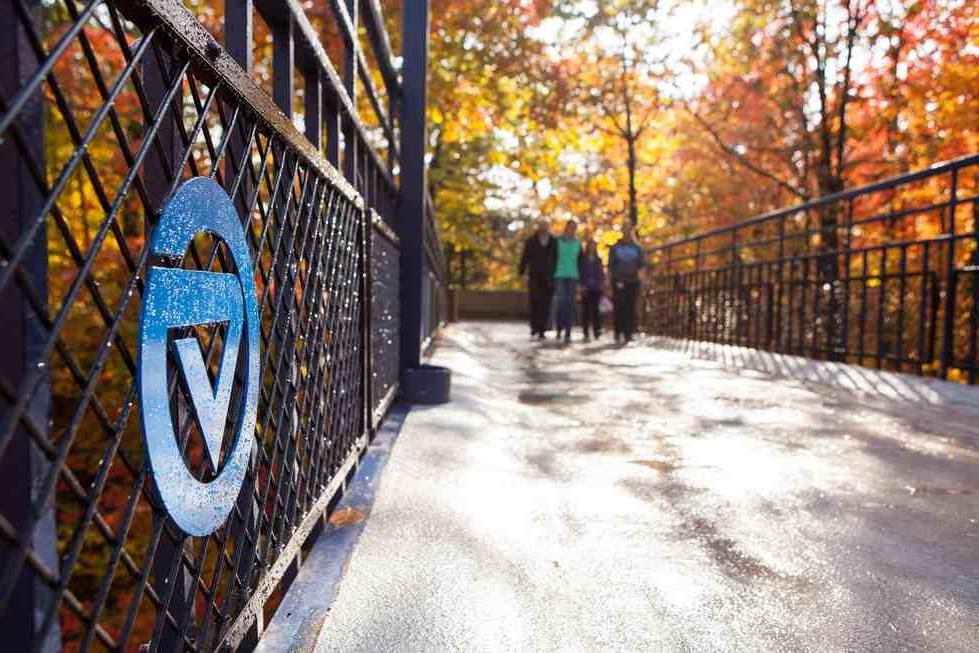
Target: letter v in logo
x,y
175,298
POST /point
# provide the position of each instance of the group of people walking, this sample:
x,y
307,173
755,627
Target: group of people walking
x,y
561,269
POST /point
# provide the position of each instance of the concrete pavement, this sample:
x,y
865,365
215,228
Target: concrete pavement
x,y
592,497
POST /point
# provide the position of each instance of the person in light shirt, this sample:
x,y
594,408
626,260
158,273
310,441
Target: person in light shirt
x,y
566,275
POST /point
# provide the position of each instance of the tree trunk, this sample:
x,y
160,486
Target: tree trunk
x,y
633,208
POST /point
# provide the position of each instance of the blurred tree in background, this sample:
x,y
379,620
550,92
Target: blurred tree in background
x,y
683,115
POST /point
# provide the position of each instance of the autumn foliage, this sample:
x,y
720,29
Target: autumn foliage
x,y
688,115
678,115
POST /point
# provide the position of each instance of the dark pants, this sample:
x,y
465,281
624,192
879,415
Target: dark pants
x,y
590,314
624,298
540,305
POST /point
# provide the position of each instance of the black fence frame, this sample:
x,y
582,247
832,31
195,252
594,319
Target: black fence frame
x,y
885,275
326,218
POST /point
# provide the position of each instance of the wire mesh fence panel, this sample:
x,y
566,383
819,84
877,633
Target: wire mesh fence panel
x,y
105,113
385,318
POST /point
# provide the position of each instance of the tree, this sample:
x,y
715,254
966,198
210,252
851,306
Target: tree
x,y
616,77
780,91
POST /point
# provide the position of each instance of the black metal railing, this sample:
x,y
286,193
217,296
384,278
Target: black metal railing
x,y
886,275
435,294
106,108
385,317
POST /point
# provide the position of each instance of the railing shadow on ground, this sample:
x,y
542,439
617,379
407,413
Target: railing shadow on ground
x,y
868,383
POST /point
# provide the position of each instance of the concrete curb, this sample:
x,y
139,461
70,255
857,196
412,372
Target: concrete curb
x,y
299,619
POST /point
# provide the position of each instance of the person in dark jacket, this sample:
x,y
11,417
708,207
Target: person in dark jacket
x,y
593,283
626,262
539,259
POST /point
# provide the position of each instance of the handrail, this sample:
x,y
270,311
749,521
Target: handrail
x,y
381,45
314,50
891,182
904,295
185,28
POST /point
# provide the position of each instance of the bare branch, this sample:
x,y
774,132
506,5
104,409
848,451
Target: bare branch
x,y
743,160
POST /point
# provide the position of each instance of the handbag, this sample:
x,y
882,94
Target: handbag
x,y
604,305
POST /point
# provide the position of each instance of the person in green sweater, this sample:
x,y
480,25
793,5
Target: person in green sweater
x,y
566,275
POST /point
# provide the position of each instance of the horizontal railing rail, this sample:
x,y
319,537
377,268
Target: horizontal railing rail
x,y
882,275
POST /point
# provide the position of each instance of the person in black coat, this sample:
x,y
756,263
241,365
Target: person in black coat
x,y
626,265
539,258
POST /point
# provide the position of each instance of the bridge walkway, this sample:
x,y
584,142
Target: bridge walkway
x,y
590,497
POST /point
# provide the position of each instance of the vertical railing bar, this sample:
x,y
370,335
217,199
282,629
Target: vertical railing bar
x,y
755,306
350,135
283,64
22,466
392,118
864,279
973,360
670,300
734,294
820,319
713,316
844,335
238,41
779,271
719,276
771,327
332,119
313,107
720,321
412,211
367,331
791,316
804,297
948,340
698,280
881,306
902,288
758,305
974,327
922,304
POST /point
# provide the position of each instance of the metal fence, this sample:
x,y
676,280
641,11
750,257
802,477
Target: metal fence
x,y
106,108
385,317
886,275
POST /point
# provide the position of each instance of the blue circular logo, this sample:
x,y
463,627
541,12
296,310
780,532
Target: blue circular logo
x,y
177,298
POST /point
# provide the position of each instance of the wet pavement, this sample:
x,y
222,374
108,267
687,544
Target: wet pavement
x,y
592,497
